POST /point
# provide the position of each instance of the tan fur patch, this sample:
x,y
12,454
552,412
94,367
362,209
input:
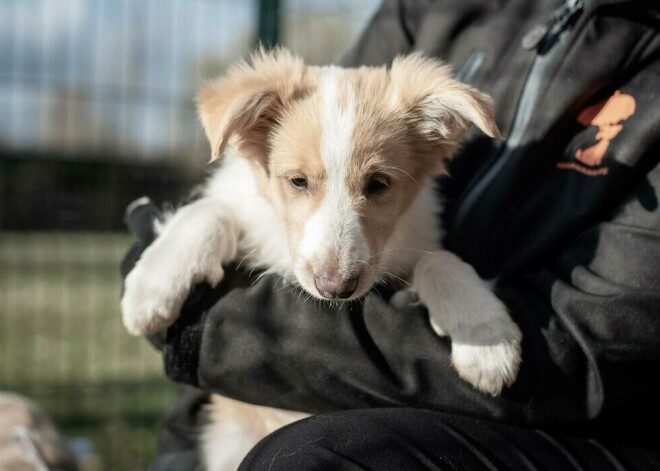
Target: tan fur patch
x,y
248,100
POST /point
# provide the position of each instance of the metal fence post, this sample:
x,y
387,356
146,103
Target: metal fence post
x,y
269,23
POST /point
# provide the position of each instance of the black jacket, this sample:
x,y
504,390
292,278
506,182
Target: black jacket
x,y
563,214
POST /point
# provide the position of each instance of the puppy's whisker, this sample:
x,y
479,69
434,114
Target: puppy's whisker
x,y
397,277
259,276
284,285
252,272
401,248
246,256
388,284
366,264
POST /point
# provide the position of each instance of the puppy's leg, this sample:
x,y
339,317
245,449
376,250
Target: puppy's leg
x,y
190,249
485,340
235,428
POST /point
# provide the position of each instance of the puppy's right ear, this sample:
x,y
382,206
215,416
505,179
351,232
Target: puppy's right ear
x,y
246,103
440,108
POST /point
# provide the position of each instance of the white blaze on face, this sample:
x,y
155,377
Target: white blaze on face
x,y
333,238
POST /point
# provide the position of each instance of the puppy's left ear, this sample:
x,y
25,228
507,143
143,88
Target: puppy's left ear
x,y
247,102
442,108
449,113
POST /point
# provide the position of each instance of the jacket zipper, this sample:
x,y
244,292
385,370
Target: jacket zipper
x,y
543,38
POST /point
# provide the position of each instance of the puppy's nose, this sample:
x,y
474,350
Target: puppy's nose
x,y
335,287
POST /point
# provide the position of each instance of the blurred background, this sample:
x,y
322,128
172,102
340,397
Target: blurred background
x,y
96,110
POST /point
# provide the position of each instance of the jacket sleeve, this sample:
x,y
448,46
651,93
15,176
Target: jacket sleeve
x,y
590,339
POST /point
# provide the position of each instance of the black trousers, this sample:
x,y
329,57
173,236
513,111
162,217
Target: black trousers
x,y
413,439
400,439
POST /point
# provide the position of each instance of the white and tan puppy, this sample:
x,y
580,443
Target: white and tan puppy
x,y
327,180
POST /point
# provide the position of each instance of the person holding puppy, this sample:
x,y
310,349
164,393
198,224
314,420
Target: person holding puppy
x,y
562,215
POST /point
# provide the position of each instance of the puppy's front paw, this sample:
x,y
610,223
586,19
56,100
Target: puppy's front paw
x,y
489,368
155,292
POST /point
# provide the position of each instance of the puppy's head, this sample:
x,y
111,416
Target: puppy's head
x,y
342,153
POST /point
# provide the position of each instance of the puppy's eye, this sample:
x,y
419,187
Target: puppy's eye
x,y
377,184
299,182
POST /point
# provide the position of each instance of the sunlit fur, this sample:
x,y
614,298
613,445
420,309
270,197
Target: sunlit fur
x,y
337,128
275,122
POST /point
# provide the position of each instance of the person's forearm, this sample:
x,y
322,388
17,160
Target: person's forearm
x,y
264,344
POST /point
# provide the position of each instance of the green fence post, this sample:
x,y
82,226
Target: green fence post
x,y
269,23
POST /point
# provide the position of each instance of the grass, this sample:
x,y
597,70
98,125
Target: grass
x,y
62,343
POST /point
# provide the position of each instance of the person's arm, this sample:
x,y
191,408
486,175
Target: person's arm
x,y
590,343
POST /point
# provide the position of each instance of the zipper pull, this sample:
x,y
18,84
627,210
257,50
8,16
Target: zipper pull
x,y
558,22
534,36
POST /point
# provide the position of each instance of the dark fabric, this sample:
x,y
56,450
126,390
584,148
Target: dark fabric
x,y
575,253
179,437
187,460
422,440
183,423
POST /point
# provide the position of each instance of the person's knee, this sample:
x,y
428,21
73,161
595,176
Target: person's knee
x,y
369,438
304,445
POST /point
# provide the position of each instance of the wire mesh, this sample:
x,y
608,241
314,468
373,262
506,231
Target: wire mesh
x,y
97,109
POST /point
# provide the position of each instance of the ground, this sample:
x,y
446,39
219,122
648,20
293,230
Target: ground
x,y
62,343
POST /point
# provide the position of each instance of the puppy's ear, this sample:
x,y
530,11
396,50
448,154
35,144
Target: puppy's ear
x,y
441,107
247,102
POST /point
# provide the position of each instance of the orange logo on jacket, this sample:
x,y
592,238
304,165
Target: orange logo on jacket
x,y
608,116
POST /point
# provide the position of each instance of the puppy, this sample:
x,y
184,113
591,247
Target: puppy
x,y
328,181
